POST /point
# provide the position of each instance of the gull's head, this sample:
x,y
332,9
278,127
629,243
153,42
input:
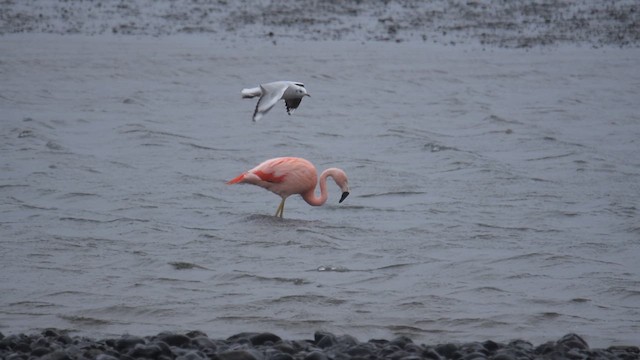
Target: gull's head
x,y
300,90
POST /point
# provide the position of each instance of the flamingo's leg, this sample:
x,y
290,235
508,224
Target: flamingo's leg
x,y
280,210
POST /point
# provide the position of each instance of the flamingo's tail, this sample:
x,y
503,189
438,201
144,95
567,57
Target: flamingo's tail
x,y
236,180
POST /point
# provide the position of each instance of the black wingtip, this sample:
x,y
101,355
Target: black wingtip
x,y
344,196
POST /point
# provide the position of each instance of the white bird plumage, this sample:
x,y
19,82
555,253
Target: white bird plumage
x,y
291,92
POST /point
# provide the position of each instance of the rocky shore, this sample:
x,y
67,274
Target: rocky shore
x,y
490,23
54,344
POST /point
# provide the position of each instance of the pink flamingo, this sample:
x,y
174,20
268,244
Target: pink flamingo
x,y
286,176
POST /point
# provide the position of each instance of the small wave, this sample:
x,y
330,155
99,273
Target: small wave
x,y
277,279
517,228
393,193
580,300
433,147
181,265
276,221
76,194
235,278
11,186
85,220
517,258
52,145
499,119
203,147
84,320
408,330
307,300
550,157
329,268
32,304
146,133
394,266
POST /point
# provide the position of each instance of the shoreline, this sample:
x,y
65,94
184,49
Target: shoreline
x,y
58,344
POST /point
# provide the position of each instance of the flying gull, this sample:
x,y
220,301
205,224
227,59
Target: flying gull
x,y
291,92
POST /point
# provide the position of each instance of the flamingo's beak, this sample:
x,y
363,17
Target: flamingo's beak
x,y
344,196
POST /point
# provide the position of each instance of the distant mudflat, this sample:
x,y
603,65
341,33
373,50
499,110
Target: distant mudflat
x,y
497,23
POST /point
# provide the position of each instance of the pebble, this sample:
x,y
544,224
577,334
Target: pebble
x,y
54,344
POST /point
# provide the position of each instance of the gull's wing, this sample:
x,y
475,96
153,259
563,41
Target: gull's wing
x,y
292,104
271,93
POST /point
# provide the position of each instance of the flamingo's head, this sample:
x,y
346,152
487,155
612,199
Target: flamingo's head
x,y
340,177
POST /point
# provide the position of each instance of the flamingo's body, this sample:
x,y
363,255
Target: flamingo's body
x,y
291,92
286,176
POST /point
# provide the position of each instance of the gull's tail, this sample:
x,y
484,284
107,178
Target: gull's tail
x,y
252,92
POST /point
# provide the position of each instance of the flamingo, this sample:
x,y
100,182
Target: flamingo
x,y
286,176
291,92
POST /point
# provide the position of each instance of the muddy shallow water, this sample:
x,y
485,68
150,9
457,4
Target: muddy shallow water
x,y
493,195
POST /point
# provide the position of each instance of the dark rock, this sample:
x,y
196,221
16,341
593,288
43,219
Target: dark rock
x,y
106,357
490,346
192,355
203,342
165,349
40,341
316,355
40,351
196,334
64,339
401,341
521,344
474,356
57,355
430,353
576,354
18,343
447,350
346,341
262,338
573,341
625,350
128,342
52,333
285,347
15,356
361,350
241,338
281,356
410,357
413,348
145,351
503,355
545,348
324,340
174,339
388,350
237,355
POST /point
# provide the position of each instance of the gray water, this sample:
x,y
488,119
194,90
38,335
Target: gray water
x,y
494,194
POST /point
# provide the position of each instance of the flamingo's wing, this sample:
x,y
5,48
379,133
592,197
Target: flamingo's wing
x,y
292,104
271,93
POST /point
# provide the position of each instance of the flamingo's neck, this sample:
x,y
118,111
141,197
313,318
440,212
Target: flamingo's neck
x,y
310,196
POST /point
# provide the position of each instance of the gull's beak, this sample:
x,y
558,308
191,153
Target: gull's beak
x,y
344,196
309,95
